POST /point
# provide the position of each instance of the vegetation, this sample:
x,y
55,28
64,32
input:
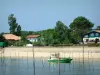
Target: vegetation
x,y
60,35
2,39
14,27
93,45
80,26
18,32
48,37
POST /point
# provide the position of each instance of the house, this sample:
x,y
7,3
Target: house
x,y
11,37
33,38
92,37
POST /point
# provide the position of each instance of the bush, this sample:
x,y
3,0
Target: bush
x,y
93,45
58,45
18,43
36,43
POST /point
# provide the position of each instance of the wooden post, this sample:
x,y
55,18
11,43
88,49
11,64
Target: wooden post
x,y
33,59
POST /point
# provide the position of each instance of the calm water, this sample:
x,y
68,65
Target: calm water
x,y
22,66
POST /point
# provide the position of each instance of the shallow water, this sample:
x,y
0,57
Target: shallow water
x,y
25,66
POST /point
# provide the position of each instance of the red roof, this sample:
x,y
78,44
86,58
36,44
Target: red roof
x,y
98,31
32,36
11,37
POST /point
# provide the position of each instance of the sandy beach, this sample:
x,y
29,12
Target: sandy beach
x,y
44,52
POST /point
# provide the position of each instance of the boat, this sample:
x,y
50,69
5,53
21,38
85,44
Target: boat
x,y
57,59
61,60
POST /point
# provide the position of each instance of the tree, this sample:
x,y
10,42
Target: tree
x,y
80,26
62,32
14,27
98,27
12,23
2,39
18,30
81,23
47,37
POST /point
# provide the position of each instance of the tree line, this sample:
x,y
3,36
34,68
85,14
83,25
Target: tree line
x,y
61,34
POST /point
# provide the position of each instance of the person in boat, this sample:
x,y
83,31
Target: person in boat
x,y
55,56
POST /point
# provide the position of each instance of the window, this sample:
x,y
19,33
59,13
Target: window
x,y
86,36
97,34
92,34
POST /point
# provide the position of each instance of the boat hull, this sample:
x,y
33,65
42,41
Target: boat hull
x,y
62,60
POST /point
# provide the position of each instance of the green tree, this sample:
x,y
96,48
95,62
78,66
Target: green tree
x,y
81,23
62,32
14,27
80,26
47,37
2,39
12,23
18,32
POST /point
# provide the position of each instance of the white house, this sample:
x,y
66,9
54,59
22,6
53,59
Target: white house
x,y
92,37
33,38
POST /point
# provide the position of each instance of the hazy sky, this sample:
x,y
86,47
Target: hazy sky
x,y
34,15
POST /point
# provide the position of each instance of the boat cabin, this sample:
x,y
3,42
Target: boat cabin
x,y
54,56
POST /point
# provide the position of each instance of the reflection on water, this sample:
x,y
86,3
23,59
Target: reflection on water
x,y
24,66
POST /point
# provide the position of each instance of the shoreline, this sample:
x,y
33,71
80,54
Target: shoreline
x,y
44,52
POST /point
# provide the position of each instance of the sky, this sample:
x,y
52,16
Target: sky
x,y
36,15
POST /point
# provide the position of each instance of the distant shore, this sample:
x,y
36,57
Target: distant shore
x,y
44,52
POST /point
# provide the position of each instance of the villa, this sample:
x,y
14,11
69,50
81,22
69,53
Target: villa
x,y
92,37
33,38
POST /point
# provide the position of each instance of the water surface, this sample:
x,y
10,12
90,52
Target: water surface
x,y
25,66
